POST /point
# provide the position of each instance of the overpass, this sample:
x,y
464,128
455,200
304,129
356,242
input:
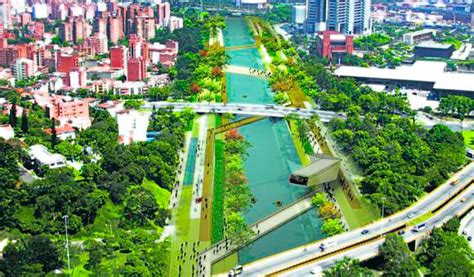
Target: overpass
x,y
246,109
292,260
370,249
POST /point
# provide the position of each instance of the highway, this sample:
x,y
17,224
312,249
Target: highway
x,y
428,203
369,250
245,109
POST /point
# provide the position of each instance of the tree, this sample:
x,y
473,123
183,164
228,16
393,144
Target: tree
x,y
9,173
54,136
35,255
69,150
24,122
446,253
397,259
12,118
319,199
348,268
332,227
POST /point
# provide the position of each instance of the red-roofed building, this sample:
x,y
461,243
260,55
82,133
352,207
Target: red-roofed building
x,y
331,43
63,132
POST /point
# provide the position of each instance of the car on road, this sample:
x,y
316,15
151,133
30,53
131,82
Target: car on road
x,y
469,238
463,200
419,227
411,215
364,232
455,182
401,232
269,106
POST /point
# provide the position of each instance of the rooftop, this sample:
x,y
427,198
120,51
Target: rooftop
x,y
41,153
321,164
420,71
420,32
435,45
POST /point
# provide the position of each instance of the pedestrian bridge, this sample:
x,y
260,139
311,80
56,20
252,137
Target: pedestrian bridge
x,y
246,109
224,248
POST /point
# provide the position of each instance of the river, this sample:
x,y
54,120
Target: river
x,y
272,155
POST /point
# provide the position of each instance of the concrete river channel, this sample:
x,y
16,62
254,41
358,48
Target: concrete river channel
x,y
272,155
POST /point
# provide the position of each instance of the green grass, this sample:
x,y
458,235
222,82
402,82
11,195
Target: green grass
x,y
358,214
195,128
187,231
182,215
162,195
109,215
468,138
79,269
218,121
298,145
420,219
225,265
218,197
211,121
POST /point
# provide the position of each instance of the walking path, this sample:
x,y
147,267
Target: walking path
x,y
239,47
195,211
247,71
178,186
223,248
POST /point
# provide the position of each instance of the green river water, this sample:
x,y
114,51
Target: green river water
x,y
272,155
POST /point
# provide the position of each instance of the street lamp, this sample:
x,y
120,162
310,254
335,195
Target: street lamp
x,y
65,217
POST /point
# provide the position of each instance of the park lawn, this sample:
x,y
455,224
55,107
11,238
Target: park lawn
x,y
187,231
109,214
162,196
225,264
211,121
356,214
195,128
468,136
79,270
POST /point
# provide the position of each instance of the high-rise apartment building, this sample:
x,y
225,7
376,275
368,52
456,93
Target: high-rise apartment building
x,y
344,16
5,13
118,57
23,69
67,63
136,70
316,15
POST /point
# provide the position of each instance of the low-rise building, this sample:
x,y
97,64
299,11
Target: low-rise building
x,y
132,126
424,75
40,156
416,37
331,44
433,50
63,132
7,132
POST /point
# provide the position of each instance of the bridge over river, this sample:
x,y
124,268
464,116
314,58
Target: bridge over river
x,y
246,109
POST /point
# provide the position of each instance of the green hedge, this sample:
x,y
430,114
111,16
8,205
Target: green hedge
x,y
218,200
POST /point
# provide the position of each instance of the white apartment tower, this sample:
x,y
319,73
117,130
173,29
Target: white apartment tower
x,y
350,17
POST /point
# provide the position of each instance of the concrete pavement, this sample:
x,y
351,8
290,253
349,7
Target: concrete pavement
x,y
246,109
195,211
